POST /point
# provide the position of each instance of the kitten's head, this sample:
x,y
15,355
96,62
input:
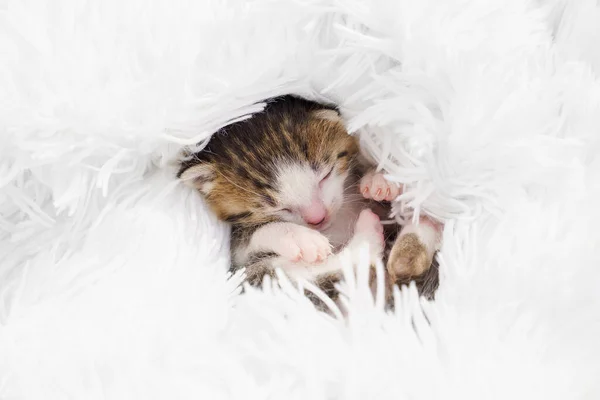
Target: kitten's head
x,y
288,163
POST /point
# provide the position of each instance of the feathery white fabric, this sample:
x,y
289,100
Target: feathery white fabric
x,y
113,277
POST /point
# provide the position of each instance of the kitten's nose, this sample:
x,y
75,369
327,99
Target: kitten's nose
x,y
315,213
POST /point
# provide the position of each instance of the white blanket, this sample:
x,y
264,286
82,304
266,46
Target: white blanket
x,y
113,277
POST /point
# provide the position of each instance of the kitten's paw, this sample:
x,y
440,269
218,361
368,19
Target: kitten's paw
x,y
409,257
412,253
299,243
374,186
368,228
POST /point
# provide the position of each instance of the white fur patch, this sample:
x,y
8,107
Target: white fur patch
x,y
296,184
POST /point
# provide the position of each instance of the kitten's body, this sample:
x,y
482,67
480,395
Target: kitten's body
x,y
289,181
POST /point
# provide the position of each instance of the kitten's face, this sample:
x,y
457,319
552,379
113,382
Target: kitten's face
x,y
293,172
306,195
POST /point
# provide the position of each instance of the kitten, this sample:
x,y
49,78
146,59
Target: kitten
x,y
292,183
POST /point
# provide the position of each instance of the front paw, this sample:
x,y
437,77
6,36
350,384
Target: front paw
x,y
374,186
298,243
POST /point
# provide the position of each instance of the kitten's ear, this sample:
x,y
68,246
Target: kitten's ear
x,y
199,176
328,115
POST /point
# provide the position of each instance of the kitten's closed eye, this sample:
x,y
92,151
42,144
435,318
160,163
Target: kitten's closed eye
x,y
327,175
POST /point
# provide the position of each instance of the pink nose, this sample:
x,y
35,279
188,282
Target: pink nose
x,y
315,213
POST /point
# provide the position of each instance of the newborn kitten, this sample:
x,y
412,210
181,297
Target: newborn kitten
x,y
287,180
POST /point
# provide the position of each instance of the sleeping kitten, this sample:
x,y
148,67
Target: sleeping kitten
x,y
292,184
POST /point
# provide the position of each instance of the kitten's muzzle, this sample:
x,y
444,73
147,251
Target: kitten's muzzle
x,y
315,214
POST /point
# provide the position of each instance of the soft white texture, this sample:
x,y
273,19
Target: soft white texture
x,y
113,279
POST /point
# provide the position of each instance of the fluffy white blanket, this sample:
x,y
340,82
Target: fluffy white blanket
x,y
113,281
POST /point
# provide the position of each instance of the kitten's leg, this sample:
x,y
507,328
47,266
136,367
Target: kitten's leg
x,y
367,230
269,249
413,238
412,254
279,244
291,242
262,260
413,250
